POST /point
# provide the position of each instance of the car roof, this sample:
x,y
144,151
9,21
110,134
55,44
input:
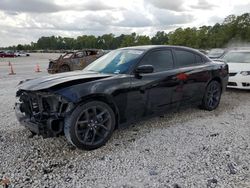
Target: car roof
x,y
150,47
217,49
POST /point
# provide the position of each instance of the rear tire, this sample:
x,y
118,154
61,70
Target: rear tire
x,y
90,125
212,96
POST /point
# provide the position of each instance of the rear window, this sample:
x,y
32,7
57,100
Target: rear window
x,y
184,58
198,58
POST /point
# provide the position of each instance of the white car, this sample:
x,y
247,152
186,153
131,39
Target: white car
x,y
239,68
21,54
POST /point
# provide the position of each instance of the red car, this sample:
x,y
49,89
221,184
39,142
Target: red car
x,y
7,54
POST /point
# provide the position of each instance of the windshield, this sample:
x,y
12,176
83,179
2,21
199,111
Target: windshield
x,y
115,62
237,57
68,55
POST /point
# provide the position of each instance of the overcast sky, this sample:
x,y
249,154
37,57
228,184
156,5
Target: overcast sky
x,y
23,21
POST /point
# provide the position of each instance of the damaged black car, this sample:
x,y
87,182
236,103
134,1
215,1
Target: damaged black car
x,y
122,87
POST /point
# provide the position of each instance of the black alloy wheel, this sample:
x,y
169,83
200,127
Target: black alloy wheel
x,y
212,96
90,125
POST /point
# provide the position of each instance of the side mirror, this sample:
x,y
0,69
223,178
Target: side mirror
x,y
144,69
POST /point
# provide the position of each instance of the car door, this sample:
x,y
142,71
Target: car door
x,y
152,92
192,75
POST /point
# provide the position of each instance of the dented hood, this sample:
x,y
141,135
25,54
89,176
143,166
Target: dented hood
x,y
61,79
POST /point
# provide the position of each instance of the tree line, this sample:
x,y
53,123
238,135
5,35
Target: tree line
x,y
232,29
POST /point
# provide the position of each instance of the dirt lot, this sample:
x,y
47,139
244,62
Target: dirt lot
x,y
191,148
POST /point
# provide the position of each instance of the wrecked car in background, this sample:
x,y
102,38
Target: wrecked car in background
x,y
74,60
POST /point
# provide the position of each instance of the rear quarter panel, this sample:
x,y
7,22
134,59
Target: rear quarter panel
x,y
220,70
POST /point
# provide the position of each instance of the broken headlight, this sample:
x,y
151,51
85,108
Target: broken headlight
x,y
53,103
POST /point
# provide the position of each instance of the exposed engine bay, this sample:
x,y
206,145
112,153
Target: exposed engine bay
x,y
43,112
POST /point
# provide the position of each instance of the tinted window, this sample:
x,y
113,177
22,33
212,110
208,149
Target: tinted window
x,y
161,60
198,59
184,58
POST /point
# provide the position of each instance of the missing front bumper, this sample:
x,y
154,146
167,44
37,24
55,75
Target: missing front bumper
x,y
50,128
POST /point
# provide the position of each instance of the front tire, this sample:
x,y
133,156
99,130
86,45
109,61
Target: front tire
x,y
90,125
212,96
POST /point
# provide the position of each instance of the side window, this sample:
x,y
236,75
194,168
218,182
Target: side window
x,y
198,59
184,58
80,54
161,60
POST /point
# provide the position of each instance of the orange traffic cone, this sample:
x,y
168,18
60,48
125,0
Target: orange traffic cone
x,y
5,182
11,70
37,68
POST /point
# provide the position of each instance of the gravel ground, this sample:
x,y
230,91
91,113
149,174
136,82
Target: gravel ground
x,y
191,148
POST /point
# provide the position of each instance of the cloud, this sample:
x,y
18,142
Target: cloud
x,y
174,5
104,18
203,4
167,18
14,7
23,21
36,6
11,13
133,19
94,5
243,8
215,19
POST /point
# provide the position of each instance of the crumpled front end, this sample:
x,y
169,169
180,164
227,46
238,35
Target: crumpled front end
x,y
41,112
52,68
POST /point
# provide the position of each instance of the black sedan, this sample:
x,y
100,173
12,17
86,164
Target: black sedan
x,y
123,86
